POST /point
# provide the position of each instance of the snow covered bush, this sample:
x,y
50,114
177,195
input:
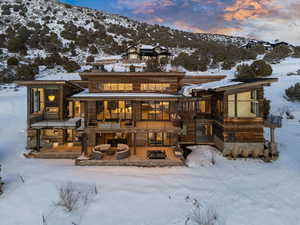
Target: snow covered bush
x,y
204,217
202,156
72,197
293,93
12,61
278,53
258,68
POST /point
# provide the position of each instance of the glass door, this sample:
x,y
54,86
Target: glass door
x,y
203,133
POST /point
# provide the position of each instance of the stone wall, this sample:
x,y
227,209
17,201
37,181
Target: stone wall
x,y
141,163
236,150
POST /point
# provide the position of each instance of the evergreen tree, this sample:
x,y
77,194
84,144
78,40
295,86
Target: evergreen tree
x,y
261,68
152,65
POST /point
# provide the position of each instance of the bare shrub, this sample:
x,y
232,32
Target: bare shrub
x,y
201,214
72,197
205,217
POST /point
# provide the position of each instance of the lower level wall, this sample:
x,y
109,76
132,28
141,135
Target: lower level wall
x,y
240,149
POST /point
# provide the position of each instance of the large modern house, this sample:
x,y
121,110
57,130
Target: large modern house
x,y
146,119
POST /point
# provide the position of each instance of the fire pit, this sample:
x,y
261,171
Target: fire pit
x,y
157,154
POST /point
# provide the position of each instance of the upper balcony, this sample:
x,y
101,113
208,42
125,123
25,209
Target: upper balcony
x,y
273,121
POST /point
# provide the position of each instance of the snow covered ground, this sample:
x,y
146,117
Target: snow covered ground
x,y
243,192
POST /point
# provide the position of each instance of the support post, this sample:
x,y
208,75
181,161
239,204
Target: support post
x,y
38,140
134,143
272,134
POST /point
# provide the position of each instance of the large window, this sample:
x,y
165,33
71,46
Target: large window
x,y
159,139
243,104
37,100
77,109
155,86
155,110
204,106
115,86
114,110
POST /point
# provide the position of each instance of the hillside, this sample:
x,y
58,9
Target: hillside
x,y
33,30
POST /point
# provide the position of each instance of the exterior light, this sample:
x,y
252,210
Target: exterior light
x,y
51,98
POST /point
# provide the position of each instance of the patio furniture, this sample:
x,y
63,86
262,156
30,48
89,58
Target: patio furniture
x,y
156,154
102,148
97,155
123,151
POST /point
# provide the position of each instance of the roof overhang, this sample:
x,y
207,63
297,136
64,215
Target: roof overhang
x,y
133,74
248,84
71,123
49,82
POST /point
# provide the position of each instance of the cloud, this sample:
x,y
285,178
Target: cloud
x,y
262,19
245,9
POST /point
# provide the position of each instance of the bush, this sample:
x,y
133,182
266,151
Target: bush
x,y
72,197
293,93
26,72
296,52
191,62
245,71
12,61
152,65
16,45
261,68
257,69
228,64
278,53
70,66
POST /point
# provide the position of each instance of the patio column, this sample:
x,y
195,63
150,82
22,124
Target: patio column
x,y
38,140
272,134
134,143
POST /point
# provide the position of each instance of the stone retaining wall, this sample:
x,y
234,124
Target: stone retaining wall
x,y
146,163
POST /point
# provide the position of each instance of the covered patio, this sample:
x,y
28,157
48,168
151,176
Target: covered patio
x,y
137,157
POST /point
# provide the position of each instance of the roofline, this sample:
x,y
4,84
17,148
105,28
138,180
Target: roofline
x,y
133,74
187,76
263,81
48,82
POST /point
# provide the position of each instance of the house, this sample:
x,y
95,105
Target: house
x,y
145,119
145,52
267,45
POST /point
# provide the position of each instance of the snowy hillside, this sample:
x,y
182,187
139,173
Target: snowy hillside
x,y
243,192
31,30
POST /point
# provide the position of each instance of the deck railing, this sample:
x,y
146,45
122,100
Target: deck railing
x,y
273,121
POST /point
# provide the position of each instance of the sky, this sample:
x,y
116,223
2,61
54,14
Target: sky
x,y
261,19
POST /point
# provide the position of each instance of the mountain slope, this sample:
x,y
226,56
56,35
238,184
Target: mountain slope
x,y
31,29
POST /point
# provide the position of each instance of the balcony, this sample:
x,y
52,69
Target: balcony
x,y
273,121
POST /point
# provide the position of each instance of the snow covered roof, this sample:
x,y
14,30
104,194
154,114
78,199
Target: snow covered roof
x,y
147,47
225,83
187,89
59,76
73,122
87,94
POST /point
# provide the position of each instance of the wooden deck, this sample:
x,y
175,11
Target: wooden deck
x,y
60,152
139,159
